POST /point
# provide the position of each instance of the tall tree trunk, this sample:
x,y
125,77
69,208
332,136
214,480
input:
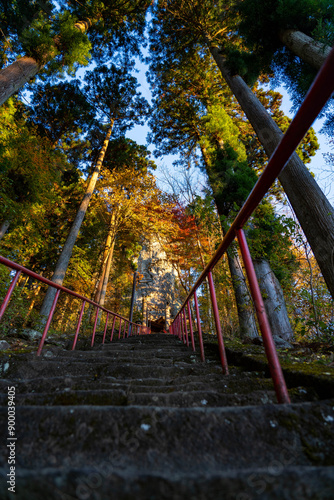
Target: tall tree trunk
x,y
246,317
273,299
17,74
107,273
313,210
109,243
247,323
303,46
62,264
32,303
99,284
3,228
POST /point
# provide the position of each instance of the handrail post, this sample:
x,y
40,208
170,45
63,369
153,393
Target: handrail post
x,y
124,329
182,327
113,327
78,327
120,328
269,344
200,337
132,301
48,323
185,326
105,328
191,327
9,293
222,352
95,323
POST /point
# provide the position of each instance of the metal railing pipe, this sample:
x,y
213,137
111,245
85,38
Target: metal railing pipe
x,y
191,328
222,353
9,293
185,327
200,337
95,324
20,269
317,96
105,329
182,327
48,323
113,328
269,344
79,324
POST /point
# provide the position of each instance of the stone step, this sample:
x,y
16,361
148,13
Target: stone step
x,y
238,381
32,367
144,418
172,439
120,349
121,397
279,480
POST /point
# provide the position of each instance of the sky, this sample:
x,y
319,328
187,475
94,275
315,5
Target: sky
x,y
322,171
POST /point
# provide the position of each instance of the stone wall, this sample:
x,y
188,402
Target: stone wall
x,y
155,293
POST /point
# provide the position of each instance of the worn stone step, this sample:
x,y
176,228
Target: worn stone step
x,y
135,354
128,378
147,340
30,367
121,397
56,391
125,349
279,480
173,439
207,398
114,397
236,381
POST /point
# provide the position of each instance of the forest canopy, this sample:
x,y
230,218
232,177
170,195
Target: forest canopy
x,y
80,198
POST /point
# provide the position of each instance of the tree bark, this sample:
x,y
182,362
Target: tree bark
x,y
247,323
99,283
17,74
313,210
273,299
62,264
3,228
32,303
107,273
303,46
246,317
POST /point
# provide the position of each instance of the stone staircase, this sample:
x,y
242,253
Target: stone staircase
x,y
144,418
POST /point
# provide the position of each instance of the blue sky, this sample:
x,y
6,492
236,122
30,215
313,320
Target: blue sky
x,y
318,164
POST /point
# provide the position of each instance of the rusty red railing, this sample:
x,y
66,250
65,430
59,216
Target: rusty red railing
x,y
319,93
317,96
136,329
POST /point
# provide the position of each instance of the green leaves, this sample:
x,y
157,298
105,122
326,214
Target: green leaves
x,y
59,41
113,92
270,236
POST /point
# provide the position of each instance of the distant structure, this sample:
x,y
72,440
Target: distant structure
x,y
156,294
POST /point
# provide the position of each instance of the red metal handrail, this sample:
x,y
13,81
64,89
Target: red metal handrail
x,y
317,96
20,269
